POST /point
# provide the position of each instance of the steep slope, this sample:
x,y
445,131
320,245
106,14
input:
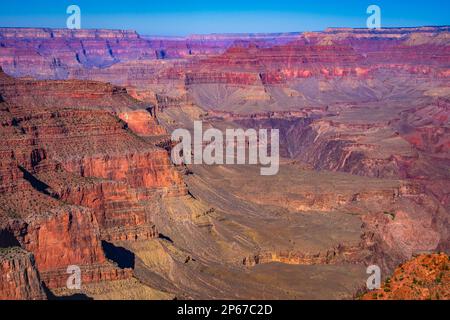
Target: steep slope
x,y
19,279
73,175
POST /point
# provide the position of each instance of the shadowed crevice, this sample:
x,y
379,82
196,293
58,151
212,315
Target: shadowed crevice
x,y
35,183
123,257
73,297
7,239
164,237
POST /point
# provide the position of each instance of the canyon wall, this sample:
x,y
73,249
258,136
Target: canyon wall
x,y
19,279
75,175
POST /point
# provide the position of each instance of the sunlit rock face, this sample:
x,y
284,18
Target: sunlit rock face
x,y
73,175
424,277
19,278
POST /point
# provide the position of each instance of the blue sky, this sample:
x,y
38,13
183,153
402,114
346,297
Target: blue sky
x,y
175,17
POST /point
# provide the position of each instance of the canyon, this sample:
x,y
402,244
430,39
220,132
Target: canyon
x,y
86,177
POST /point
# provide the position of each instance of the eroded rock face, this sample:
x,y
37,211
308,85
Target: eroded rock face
x,y
19,279
70,233
151,169
55,53
64,237
337,255
398,236
117,207
142,122
74,174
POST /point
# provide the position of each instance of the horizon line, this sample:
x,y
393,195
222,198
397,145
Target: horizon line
x,y
229,33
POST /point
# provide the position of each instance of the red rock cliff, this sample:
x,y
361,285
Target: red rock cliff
x,y
19,279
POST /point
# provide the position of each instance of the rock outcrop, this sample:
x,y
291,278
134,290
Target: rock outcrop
x,y
425,277
19,279
73,175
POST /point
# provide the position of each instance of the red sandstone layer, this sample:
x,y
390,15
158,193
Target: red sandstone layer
x,y
19,279
74,174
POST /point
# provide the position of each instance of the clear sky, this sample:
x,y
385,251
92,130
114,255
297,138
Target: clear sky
x,y
182,17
